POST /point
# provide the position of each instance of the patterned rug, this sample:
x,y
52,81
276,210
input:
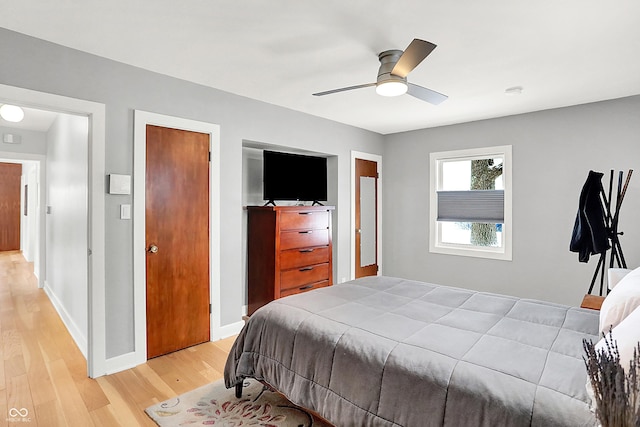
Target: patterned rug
x,y
213,404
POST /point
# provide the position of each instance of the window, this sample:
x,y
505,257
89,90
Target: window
x,y
471,202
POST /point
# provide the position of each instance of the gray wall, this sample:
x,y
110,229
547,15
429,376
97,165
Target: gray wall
x,y
32,142
46,67
553,152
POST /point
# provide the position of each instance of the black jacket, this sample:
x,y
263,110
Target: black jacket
x,y
590,234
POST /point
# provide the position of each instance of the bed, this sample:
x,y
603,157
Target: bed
x,y
383,351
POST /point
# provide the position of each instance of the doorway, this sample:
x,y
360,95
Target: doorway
x,y
366,215
10,196
142,120
92,341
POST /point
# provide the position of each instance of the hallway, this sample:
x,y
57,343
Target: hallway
x,y
43,375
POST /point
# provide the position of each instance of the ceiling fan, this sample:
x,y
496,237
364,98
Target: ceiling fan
x,y
395,65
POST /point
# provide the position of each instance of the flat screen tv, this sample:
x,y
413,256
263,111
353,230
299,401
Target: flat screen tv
x,y
294,177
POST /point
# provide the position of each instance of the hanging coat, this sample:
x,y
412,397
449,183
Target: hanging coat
x,y
590,233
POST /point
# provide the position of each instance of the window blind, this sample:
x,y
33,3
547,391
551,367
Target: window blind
x,y
486,206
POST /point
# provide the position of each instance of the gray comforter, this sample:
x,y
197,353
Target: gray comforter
x,y
383,351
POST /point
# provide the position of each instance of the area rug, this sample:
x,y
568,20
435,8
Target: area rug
x,y
215,405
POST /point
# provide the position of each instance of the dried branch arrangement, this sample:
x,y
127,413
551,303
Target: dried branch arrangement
x,y
616,389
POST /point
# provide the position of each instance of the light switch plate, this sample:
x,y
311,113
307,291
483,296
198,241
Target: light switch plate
x,y
125,211
119,184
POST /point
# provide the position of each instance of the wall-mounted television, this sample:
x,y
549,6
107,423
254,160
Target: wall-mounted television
x,y
294,177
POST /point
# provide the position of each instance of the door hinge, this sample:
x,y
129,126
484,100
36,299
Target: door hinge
x,y
89,252
210,310
377,268
209,155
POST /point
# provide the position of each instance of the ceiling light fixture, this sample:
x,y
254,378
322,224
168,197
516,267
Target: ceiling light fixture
x,y
11,113
391,88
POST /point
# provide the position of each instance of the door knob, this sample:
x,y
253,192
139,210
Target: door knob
x,y
152,249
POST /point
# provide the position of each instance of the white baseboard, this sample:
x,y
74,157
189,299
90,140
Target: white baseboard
x,y
74,331
124,362
40,282
227,331
131,360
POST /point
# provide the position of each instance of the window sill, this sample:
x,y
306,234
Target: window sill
x,y
502,254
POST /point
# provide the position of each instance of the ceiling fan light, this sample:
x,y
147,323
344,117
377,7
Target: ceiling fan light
x,y
392,88
11,113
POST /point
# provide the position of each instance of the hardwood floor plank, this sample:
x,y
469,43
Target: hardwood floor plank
x,y
14,367
42,390
32,301
90,391
24,316
40,382
11,344
136,386
164,392
182,377
19,403
50,414
119,398
105,417
73,407
3,377
7,319
4,410
48,348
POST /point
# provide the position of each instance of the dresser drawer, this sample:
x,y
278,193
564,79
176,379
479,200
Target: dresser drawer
x,y
301,257
303,239
297,277
304,220
304,288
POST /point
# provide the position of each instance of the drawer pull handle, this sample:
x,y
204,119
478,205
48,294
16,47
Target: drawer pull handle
x,y
305,232
306,269
306,287
306,250
305,213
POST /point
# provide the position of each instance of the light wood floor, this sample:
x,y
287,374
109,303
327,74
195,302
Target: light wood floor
x,y
43,371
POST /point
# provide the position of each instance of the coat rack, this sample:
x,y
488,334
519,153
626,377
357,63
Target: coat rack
x,y
611,217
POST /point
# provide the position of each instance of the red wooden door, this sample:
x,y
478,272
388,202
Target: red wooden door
x,y
10,190
366,218
177,239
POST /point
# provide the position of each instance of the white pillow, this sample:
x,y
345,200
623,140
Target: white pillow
x,y
626,336
621,301
614,275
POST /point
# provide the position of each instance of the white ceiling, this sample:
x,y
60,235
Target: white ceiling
x,y
561,52
35,120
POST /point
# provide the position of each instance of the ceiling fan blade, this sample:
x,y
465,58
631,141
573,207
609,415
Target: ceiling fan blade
x,y
329,92
431,96
413,55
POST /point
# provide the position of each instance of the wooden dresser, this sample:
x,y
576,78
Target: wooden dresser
x,y
289,251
